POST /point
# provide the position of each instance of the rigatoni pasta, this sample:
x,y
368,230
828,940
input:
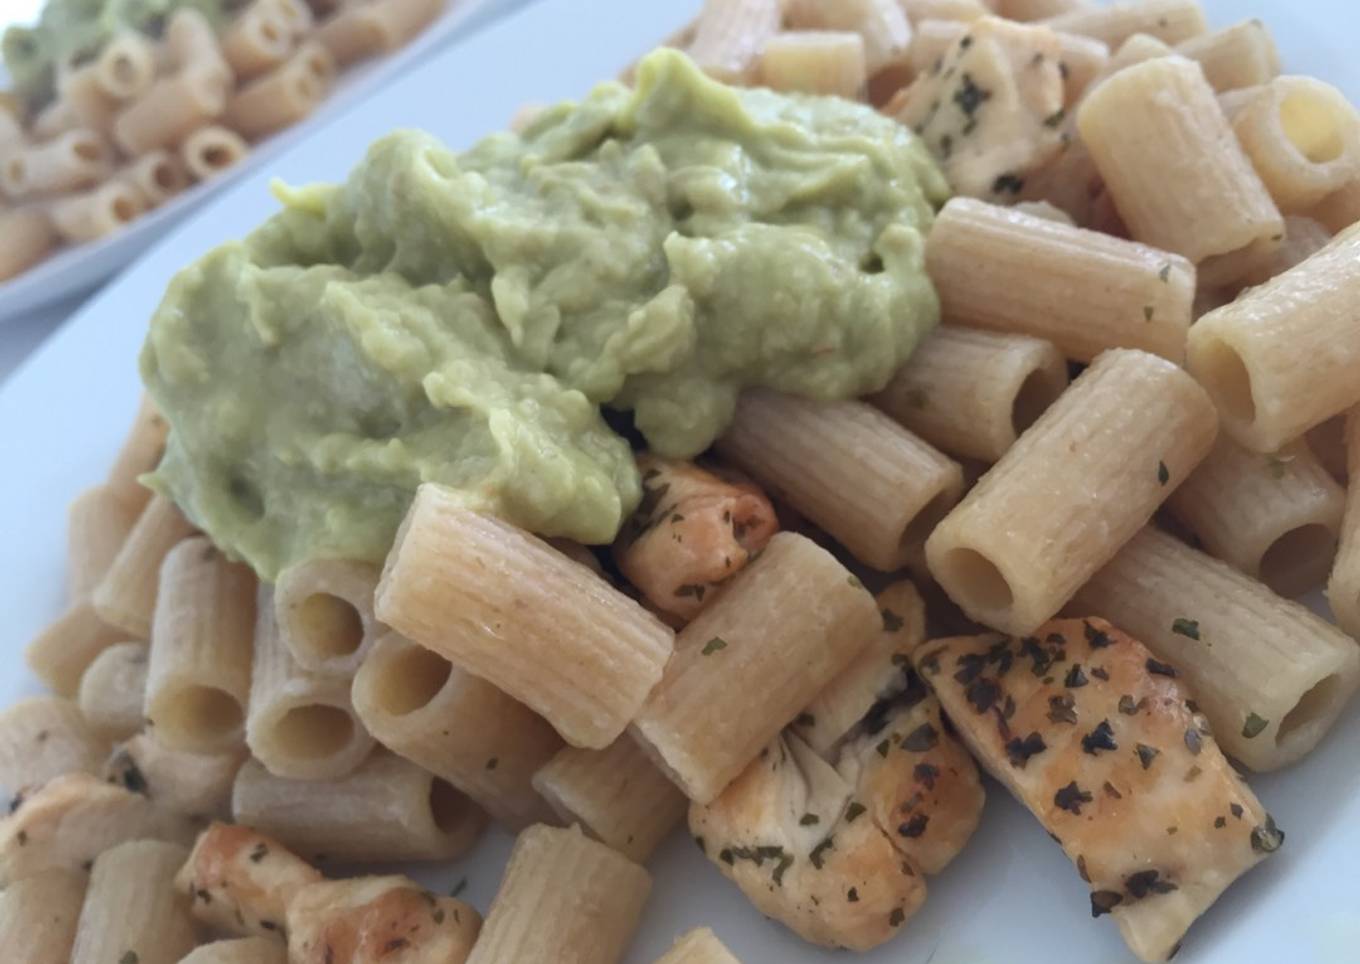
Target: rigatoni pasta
x,y
38,916
71,160
257,40
1171,21
815,62
156,177
112,689
192,42
98,523
1327,442
210,150
126,65
170,108
94,214
881,23
1077,485
1343,589
1242,55
126,597
60,654
43,737
140,453
324,609
283,96
1037,9
131,911
1271,676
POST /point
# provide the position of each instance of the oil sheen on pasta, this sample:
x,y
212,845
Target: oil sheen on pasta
x,y
461,318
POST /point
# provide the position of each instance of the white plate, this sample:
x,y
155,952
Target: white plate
x,y
1012,898
81,267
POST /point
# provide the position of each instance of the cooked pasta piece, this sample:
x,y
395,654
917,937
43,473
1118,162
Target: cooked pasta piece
x,y
1340,209
692,529
111,691
1200,198
564,899
239,881
376,919
1171,21
61,653
961,10
126,65
751,661
259,39
43,737
351,34
283,96
584,656
324,609
194,783
72,819
29,237
98,523
91,104
192,42
1275,517
1116,766
616,794
1271,676
459,727
1137,49
209,151
1282,358
239,950
699,946
1076,487
1038,9
299,725
71,161
201,650
170,108
1008,271
1343,589
1327,442
815,62
156,177
882,24
730,34
1303,238
140,453
992,113
1303,137
874,486
11,128
387,809
295,13
1242,55
94,214
56,118
38,916
131,913
972,393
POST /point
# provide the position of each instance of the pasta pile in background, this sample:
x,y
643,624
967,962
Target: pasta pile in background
x,y
145,117
1097,612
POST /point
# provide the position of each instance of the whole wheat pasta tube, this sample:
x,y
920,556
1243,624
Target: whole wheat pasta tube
x,y
140,453
111,691
38,916
1171,21
156,176
209,151
564,899
192,783
54,119
282,97
1037,9
1282,358
126,597
239,950
882,24
699,946
507,607
132,912
97,213
126,66
617,795
1303,137
459,727
257,40
300,725
171,107
91,105
61,653
324,609
192,42
874,486
1082,290
971,393
1303,238
1327,442
11,128
29,237
1271,676
43,737
815,62
1275,517
388,809
1076,487
1176,174
919,11
98,523
1242,55
1343,589
730,35
70,161
751,660
295,13
200,670
1340,209
1137,49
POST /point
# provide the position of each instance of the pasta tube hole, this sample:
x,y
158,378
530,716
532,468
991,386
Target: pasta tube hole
x,y
1299,560
314,730
1316,705
1226,377
217,156
202,713
975,576
1313,125
122,209
1036,394
329,626
411,679
272,34
448,807
165,176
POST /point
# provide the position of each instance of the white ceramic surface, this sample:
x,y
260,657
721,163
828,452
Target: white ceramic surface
x,y
1012,898
77,269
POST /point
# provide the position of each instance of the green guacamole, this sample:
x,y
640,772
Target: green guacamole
x,y
462,318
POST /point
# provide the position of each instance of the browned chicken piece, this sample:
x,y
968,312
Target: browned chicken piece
x,y
838,848
691,533
72,819
378,920
240,882
1097,738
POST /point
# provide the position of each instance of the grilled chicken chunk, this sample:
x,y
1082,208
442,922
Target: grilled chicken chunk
x,y
1097,738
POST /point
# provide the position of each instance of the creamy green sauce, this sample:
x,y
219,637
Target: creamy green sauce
x,y
461,318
